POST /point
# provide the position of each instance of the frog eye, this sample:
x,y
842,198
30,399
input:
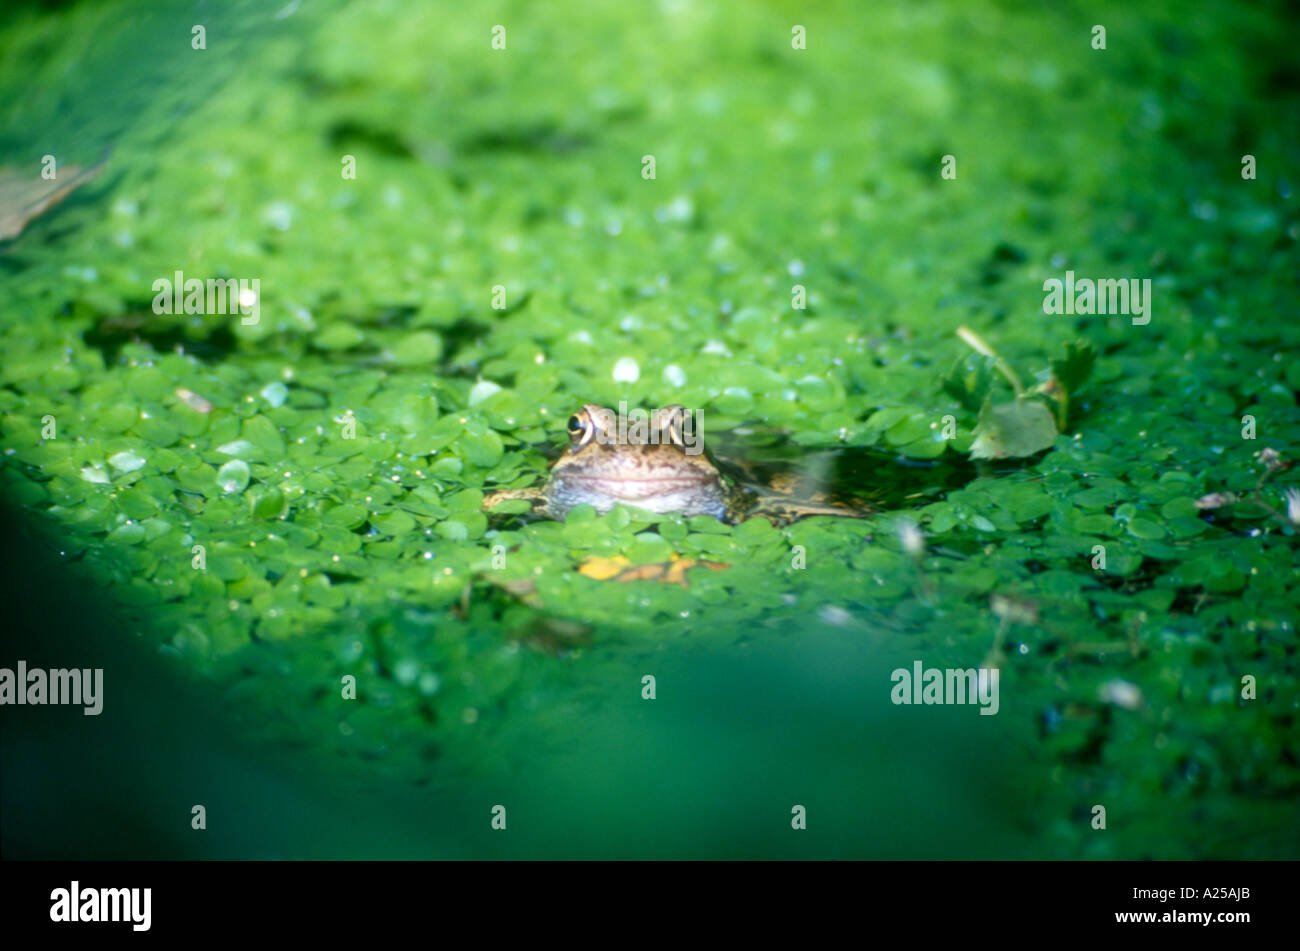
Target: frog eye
x,y
671,421
580,428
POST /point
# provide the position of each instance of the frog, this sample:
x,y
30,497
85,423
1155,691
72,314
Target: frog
x,y
661,467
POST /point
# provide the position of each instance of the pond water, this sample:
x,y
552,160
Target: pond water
x,y
261,513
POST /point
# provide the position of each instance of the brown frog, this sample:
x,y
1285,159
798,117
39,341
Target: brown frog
x,y
656,467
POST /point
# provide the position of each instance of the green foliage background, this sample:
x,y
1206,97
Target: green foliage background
x,y
775,166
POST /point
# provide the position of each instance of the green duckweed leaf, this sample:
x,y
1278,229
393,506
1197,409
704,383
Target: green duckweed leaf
x,y
233,476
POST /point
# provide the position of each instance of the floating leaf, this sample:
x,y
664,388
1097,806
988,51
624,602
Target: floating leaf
x,y
269,504
483,449
969,387
1021,427
265,437
482,390
127,461
1076,366
238,447
338,336
274,393
621,569
420,349
194,401
233,476
95,474
1068,374
602,569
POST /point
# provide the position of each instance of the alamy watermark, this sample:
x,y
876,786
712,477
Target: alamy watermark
x,y
670,425
213,296
978,687
75,904
1113,296
56,686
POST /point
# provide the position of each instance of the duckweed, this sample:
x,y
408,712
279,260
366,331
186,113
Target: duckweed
x,y
331,459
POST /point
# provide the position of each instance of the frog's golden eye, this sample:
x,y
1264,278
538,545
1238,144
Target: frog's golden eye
x,y
580,428
670,422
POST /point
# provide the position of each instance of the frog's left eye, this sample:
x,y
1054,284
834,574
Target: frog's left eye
x,y
580,429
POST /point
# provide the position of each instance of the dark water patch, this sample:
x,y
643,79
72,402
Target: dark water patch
x,y
1002,260
139,325
350,133
117,784
463,343
878,478
542,136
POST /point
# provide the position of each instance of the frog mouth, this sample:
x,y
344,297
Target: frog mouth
x,y
637,487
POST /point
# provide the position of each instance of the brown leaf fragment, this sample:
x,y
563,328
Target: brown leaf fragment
x,y
193,400
602,569
521,589
621,569
24,195
1216,500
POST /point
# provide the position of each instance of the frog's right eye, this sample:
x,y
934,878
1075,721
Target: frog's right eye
x,y
575,427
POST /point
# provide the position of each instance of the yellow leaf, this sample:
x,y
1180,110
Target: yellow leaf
x,y
602,569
